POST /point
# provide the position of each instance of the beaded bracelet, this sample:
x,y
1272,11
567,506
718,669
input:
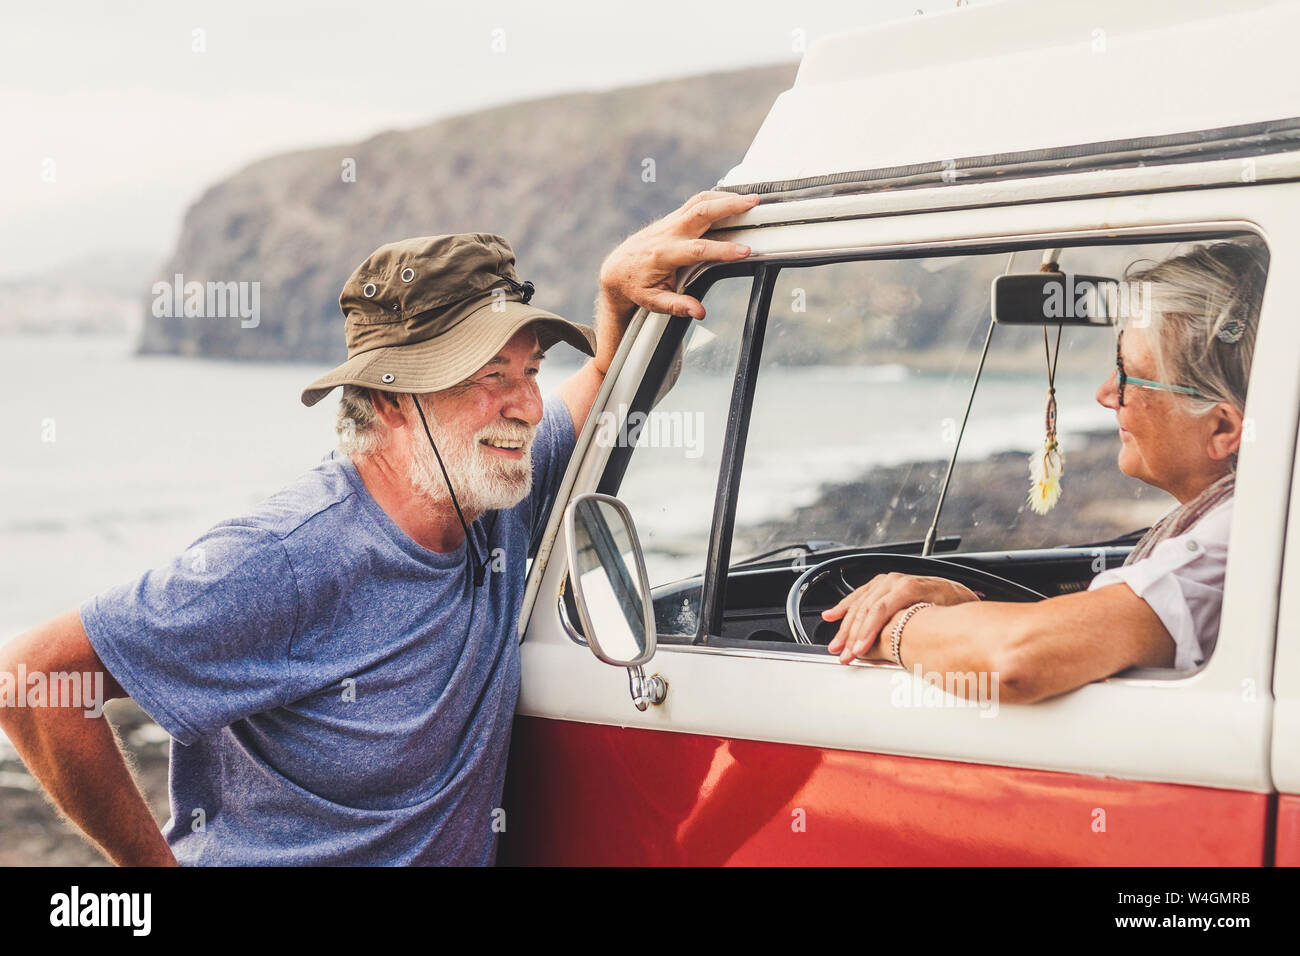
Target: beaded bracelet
x,y
896,638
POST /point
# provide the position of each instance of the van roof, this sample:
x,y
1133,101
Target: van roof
x,y
950,92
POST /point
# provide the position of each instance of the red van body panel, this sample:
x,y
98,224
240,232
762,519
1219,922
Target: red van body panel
x,y
1288,830
603,795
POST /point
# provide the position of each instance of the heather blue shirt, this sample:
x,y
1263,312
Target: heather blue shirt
x,y
337,693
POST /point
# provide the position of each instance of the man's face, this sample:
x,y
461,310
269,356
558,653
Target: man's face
x,y
484,429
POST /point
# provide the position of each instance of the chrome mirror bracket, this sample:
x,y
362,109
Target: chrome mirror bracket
x,y
645,690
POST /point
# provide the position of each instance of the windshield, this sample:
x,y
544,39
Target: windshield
x,y
866,370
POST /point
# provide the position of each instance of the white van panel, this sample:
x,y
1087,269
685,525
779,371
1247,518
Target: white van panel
x,y
1212,728
1025,75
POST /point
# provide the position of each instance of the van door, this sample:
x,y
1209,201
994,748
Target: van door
x,y
767,752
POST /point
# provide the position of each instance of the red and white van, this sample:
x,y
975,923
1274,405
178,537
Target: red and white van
x,y
813,414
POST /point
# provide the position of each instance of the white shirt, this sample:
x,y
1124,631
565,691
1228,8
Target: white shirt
x,y
1182,581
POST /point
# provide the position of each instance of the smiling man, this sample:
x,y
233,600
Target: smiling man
x,y
339,668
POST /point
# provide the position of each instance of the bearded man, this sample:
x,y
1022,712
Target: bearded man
x,y
338,669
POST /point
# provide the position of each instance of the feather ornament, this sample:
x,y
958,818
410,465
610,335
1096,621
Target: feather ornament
x,y
1046,466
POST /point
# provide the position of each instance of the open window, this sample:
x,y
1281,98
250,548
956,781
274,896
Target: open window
x,y
668,453
853,393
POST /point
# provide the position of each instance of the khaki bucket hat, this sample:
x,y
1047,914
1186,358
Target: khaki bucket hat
x,y
422,314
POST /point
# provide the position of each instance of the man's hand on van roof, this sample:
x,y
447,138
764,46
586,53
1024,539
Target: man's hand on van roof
x,y
644,269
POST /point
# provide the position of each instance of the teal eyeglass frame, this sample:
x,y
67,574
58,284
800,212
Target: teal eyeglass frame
x,y
1124,379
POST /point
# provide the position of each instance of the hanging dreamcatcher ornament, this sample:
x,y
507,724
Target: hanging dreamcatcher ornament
x,y
1047,464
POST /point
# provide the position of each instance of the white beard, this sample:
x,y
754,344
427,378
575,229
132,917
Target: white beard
x,y
481,480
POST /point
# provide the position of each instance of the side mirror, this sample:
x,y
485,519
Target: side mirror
x,y
610,586
1055,298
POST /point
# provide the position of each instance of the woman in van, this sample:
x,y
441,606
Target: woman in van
x,y
1178,392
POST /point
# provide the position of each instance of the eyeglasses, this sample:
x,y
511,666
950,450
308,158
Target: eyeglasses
x,y
1142,382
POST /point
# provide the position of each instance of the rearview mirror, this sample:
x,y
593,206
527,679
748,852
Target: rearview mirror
x,y
610,586
1054,298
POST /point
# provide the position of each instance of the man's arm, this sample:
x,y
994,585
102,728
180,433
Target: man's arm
x,y
76,757
643,272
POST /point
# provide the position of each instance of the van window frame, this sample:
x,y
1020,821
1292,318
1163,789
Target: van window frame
x,y
765,271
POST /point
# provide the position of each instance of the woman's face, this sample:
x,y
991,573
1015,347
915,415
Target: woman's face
x,y
1159,437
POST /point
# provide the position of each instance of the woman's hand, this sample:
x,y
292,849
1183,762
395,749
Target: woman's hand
x,y
867,610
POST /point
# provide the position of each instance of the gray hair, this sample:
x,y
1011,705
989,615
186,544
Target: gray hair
x,y
1204,313
360,431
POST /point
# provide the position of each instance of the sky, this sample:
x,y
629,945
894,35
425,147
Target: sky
x,y
117,115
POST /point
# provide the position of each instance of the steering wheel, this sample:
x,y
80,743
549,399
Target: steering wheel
x,y
991,585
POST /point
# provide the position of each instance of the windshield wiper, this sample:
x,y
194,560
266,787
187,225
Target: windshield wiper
x,y
946,543
807,547
1130,537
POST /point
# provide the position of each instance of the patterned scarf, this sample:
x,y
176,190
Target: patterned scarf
x,y
1184,517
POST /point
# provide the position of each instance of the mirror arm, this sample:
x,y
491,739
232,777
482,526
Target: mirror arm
x,y
645,690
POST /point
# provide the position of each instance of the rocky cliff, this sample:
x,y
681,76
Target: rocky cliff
x,y
564,178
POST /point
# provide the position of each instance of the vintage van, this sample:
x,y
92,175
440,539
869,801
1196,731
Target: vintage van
x,y
850,401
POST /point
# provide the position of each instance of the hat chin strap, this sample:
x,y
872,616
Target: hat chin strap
x,y
524,289
480,567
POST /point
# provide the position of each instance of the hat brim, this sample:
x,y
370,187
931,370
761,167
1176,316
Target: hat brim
x,y
453,356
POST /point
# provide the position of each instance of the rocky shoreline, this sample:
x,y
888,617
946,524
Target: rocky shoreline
x,y
985,504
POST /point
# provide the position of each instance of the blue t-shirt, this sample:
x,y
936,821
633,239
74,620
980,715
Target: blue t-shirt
x,y
337,693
